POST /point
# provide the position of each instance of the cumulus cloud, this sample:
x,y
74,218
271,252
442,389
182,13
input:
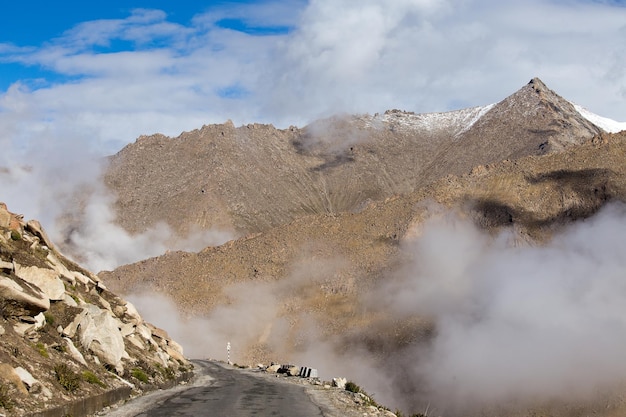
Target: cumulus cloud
x,y
287,63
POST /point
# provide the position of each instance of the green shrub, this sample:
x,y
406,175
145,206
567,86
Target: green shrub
x,y
42,350
352,387
60,348
68,379
93,379
5,398
15,235
140,375
49,318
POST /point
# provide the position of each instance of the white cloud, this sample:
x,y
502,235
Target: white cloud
x,y
339,56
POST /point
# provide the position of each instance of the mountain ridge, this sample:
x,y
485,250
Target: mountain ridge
x,y
250,178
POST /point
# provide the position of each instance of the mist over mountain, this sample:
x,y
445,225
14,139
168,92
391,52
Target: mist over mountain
x,y
429,255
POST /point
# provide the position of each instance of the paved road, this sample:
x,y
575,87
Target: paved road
x,y
228,393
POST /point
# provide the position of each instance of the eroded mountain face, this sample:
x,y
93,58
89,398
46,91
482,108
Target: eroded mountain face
x,y
64,336
255,177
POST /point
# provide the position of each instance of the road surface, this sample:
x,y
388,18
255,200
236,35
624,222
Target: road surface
x,y
223,392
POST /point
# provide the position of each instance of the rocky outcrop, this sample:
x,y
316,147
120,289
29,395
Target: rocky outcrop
x,y
65,336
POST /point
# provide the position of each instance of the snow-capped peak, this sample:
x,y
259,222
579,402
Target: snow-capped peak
x,y
606,124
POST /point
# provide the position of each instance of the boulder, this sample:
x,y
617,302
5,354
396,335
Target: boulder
x,y
46,279
74,353
136,341
174,354
81,277
70,329
127,329
7,266
20,298
99,332
8,374
25,377
132,312
272,369
35,228
68,300
58,266
5,216
40,321
340,382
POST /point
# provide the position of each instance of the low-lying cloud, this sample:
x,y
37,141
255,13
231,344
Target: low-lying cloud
x,y
531,323
513,325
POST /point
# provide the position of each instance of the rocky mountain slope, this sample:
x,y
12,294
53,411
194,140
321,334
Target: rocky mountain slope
x,y
68,345
255,177
311,281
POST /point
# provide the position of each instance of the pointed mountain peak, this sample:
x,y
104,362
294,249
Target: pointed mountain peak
x,y
537,84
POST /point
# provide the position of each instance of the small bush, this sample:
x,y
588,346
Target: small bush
x,y
60,348
352,387
168,373
93,379
15,235
5,398
49,318
42,350
140,375
68,379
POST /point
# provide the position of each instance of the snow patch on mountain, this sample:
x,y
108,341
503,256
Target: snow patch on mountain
x,y
456,121
606,124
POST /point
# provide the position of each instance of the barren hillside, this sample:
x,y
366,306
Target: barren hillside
x,y
255,177
332,216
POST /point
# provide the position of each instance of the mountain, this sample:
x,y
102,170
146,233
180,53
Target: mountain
x,y
68,345
328,217
255,177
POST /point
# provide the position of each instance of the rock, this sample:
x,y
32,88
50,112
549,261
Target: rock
x,y
132,312
23,328
35,228
70,329
2,331
26,377
81,277
272,368
136,341
70,301
74,353
293,371
7,266
340,382
174,353
5,216
144,331
159,333
20,298
41,391
40,321
46,279
175,346
127,329
8,374
98,331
